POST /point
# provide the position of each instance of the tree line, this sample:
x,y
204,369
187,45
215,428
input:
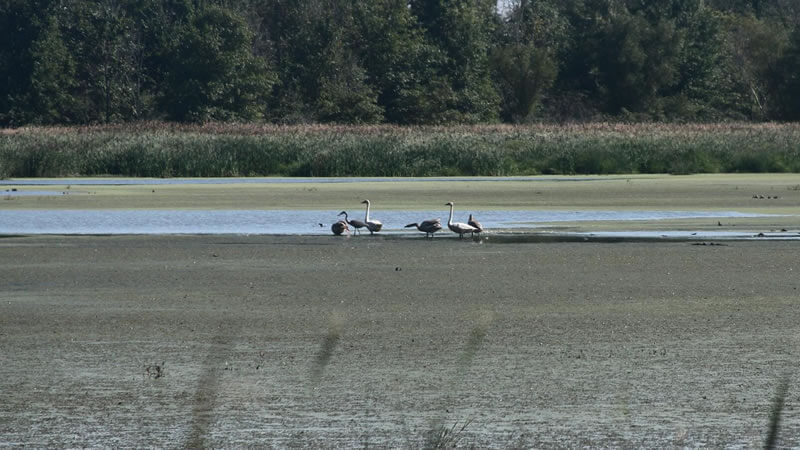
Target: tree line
x,y
398,61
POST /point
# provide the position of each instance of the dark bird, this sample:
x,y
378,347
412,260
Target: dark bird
x,y
372,225
458,227
476,224
357,224
428,227
340,227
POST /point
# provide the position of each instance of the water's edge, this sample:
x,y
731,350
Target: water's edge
x,y
318,222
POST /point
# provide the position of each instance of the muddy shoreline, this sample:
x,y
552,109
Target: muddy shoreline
x,y
289,341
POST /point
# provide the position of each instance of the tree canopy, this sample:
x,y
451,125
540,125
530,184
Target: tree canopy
x,y
398,61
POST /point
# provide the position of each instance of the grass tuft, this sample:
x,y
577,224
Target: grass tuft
x,y
444,437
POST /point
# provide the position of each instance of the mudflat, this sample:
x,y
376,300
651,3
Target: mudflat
x,y
377,341
692,192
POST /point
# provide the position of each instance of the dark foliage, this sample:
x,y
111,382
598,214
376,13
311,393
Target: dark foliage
x,y
398,61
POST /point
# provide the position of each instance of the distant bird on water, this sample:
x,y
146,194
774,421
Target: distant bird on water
x,y
372,225
357,224
458,227
474,223
340,227
428,226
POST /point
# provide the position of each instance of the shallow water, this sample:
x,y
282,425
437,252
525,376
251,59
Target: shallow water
x,y
696,237
37,193
274,180
298,221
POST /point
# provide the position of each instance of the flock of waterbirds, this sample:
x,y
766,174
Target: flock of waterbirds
x,y
429,227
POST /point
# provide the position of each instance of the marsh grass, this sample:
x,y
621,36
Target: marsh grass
x,y
153,149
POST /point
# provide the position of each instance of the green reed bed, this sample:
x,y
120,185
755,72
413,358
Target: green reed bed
x,y
169,150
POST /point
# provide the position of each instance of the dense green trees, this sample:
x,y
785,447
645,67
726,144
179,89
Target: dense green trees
x,y
397,61
786,81
212,72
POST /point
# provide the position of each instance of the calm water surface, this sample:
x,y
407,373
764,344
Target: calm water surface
x,y
297,221
305,221
276,180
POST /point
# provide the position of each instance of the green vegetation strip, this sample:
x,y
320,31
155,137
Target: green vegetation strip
x,y
214,150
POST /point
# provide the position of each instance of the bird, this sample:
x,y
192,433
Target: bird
x,y
428,226
372,225
340,227
476,224
458,227
357,224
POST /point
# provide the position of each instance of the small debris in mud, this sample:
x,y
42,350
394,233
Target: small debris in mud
x,y
155,371
713,244
397,269
765,197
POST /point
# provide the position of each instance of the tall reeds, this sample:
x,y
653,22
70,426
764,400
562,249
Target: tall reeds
x,y
218,150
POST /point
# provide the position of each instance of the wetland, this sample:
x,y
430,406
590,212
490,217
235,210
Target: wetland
x,y
289,340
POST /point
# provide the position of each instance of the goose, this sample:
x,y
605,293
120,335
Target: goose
x,y
372,225
458,227
428,226
340,227
476,224
357,224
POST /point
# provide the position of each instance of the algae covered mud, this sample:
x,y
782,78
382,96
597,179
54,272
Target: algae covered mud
x,y
706,205
513,340
288,341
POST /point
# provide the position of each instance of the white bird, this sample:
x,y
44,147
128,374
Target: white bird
x,y
428,226
372,225
458,227
472,222
357,224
